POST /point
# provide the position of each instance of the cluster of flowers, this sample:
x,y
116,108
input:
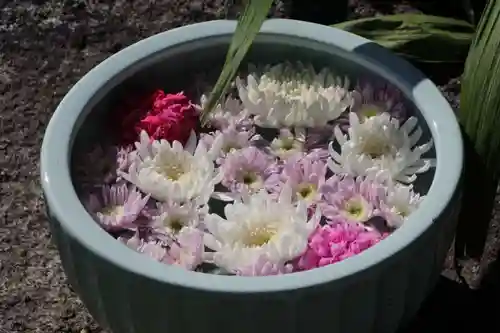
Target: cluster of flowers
x,y
296,173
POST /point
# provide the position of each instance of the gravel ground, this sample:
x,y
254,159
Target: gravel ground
x,y
45,47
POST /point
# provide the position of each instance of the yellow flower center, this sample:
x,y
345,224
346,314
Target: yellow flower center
x,y
251,179
354,209
306,191
402,211
287,144
368,111
375,147
230,146
175,224
259,236
113,210
172,171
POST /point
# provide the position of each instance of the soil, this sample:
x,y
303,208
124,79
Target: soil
x,y
46,46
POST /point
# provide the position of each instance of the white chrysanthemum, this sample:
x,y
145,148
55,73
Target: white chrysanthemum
x,y
399,202
294,96
287,143
259,226
172,217
229,112
379,146
172,172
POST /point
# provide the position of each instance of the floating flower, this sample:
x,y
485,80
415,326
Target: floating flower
x,y
304,174
172,117
151,247
229,113
172,172
335,242
354,199
380,146
258,226
264,266
171,217
373,100
186,252
117,207
294,96
223,142
398,203
246,170
288,143
124,158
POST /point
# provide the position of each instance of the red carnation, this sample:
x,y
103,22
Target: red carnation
x,y
170,117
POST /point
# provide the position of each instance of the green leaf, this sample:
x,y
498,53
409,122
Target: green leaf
x,y
479,116
247,29
424,38
480,94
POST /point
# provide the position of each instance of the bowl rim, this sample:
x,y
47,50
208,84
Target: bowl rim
x,y
67,209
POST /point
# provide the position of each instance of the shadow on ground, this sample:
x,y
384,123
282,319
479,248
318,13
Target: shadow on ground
x,y
454,307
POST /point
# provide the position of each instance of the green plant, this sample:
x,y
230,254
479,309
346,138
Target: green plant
x,y
249,24
422,38
480,119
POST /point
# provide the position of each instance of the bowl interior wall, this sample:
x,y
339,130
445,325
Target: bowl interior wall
x,y
177,68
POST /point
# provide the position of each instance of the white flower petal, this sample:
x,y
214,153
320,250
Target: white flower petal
x,y
378,145
289,95
259,226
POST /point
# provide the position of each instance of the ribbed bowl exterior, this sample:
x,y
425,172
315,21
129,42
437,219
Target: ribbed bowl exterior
x,y
378,300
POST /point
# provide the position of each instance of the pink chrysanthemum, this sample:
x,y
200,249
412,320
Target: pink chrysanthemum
x,y
124,159
304,174
246,170
353,199
186,251
370,100
374,99
335,242
117,207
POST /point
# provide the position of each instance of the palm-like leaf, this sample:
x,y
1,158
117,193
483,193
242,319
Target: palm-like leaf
x,y
480,118
247,29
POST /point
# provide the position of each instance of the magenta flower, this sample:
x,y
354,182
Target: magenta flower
x,y
335,242
117,207
172,117
246,170
353,199
304,174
